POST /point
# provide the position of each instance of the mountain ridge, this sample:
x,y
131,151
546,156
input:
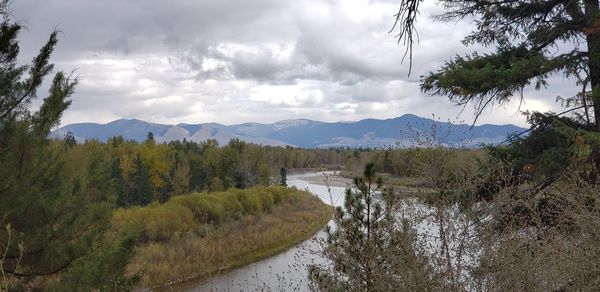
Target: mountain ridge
x,y
391,132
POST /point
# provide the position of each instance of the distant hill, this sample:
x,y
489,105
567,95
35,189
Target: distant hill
x,y
401,131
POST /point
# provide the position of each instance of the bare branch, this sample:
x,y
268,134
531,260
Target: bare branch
x,y
404,22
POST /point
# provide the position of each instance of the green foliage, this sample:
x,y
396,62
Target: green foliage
x,y
491,77
140,188
205,208
251,202
57,209
366,249
150,137
146,172
279,194
283,175
525,35
181,177
154,222
185,213
264,174
550,149
102,270
411,167
70,140
118,181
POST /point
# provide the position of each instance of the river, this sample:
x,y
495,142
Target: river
x,y
287,271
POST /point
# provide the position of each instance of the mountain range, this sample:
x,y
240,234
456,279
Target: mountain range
x,y
402,131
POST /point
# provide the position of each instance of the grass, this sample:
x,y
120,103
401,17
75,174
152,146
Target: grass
x,y
209,249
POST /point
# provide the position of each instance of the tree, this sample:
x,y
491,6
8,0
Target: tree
x,y
43,197
181,176
140,185
388,166
283,174
150,137
70,140
525,231
157,159
367,249
18,92
116,175
527,36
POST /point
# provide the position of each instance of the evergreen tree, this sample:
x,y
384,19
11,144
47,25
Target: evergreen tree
x,y
369,250
526,35
283,174
119,183
150,137
140,188
70,140
55,225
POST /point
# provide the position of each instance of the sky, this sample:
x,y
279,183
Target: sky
x,y
197,61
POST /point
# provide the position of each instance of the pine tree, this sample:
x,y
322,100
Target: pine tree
x,y
369,250
119,183
70,140
283,174
526,35
42,196
150,137
140,185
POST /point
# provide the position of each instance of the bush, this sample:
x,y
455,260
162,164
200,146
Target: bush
x,y
185,213
154,222
250,202
205,209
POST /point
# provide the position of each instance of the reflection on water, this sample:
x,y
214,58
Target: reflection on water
x,y
287,271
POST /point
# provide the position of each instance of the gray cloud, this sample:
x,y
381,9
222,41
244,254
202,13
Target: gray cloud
x,y
253,60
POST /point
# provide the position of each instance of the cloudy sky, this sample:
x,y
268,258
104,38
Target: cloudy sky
x,y
232,61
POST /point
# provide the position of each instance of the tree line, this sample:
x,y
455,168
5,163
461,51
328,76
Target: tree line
x,y
144,172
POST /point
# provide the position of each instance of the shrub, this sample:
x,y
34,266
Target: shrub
x,y
205,208
153,222
182,214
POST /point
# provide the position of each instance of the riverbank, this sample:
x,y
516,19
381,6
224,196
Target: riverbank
x,y
323,178
199,255
405,185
